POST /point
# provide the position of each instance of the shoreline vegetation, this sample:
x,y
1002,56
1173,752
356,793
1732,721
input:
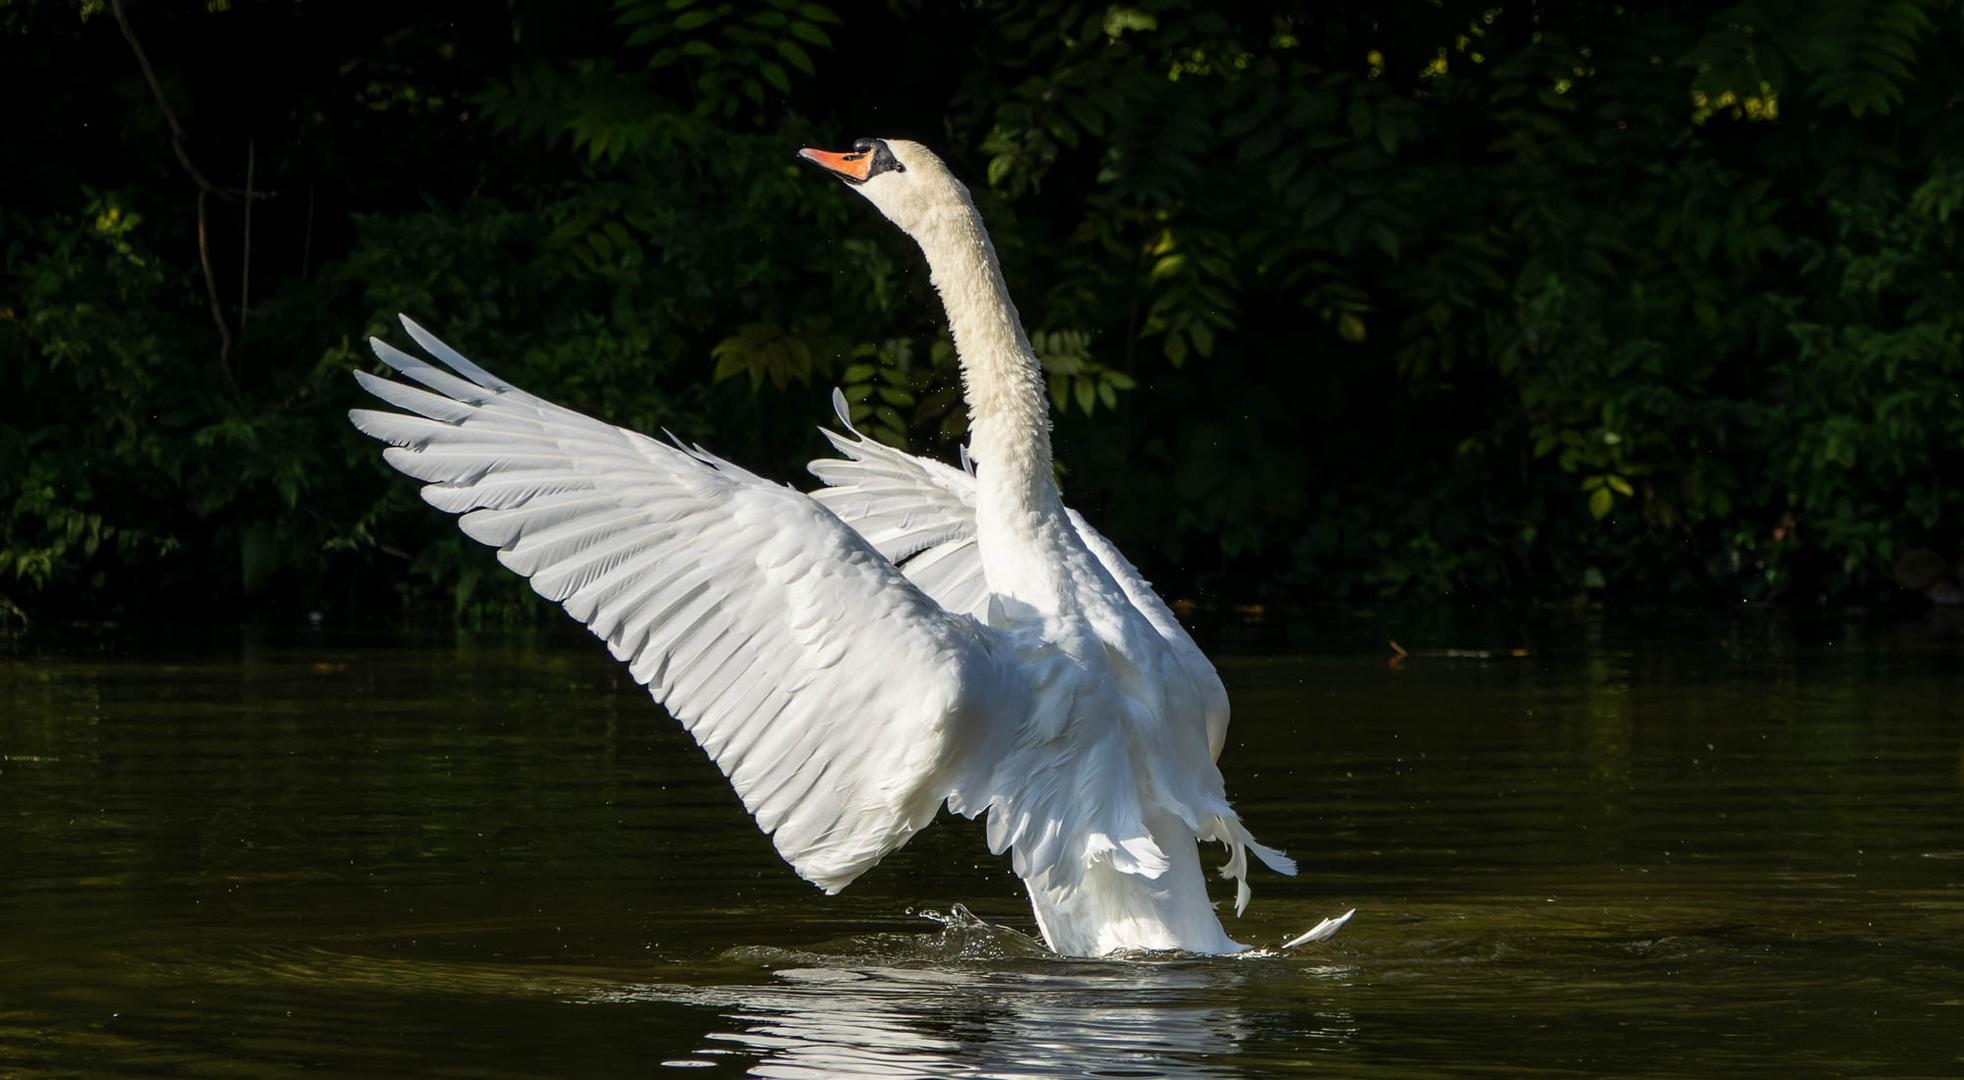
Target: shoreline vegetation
x,y
1432,305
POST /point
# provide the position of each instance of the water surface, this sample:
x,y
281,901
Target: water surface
x,y
1692,848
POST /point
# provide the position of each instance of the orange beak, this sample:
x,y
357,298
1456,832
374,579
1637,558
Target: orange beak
x,y
852,167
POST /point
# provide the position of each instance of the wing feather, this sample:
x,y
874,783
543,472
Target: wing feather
x,y
921,514
836,695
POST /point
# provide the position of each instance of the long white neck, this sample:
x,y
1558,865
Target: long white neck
x,y
1021,529
1008,415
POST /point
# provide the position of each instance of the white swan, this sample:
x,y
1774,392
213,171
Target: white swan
x,y
910,636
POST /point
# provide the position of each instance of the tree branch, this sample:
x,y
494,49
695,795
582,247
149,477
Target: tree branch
x,y
245,258
163,105
211,294
205,188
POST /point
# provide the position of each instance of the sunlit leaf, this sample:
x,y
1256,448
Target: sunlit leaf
x,y
1600,501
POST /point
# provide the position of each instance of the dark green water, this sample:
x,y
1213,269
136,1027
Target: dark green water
x,y
1703,850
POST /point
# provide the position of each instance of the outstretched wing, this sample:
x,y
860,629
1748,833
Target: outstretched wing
x,y
839,699
920,514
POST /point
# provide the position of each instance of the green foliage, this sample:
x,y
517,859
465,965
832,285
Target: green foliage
x,y
1343,301
128,457
739,49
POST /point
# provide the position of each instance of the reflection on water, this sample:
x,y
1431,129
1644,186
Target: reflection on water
x,y
1691,849
888,1022
975,1000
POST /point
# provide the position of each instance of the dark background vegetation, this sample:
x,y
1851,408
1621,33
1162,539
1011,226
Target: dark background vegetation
x,y
1340,301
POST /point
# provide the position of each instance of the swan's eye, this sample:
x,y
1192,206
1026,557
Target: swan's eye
x,y
883,159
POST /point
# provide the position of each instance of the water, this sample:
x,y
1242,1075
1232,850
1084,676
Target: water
x,y
1692,848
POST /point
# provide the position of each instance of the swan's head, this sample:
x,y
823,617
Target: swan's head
x,y
904,179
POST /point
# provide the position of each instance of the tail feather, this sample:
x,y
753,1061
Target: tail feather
x,y
1240,842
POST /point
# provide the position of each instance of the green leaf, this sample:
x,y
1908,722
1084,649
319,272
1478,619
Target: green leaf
x,y
1085,113
1360,117
1321,208
1260,145
812,34
796,56
1384,238
1600,501
1176,349
1240,123
1202,336
1167,266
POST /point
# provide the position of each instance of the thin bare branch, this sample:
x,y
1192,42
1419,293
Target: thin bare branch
x,y
245,259
211,294
205,188
177,137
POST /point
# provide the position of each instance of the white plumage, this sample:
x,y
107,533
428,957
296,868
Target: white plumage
x,y
910,636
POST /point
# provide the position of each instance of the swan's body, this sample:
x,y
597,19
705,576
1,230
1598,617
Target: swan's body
x,y
911,635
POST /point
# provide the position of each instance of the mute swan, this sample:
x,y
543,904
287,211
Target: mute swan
x,y
909,636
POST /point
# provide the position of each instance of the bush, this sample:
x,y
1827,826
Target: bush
x,y
1336,302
